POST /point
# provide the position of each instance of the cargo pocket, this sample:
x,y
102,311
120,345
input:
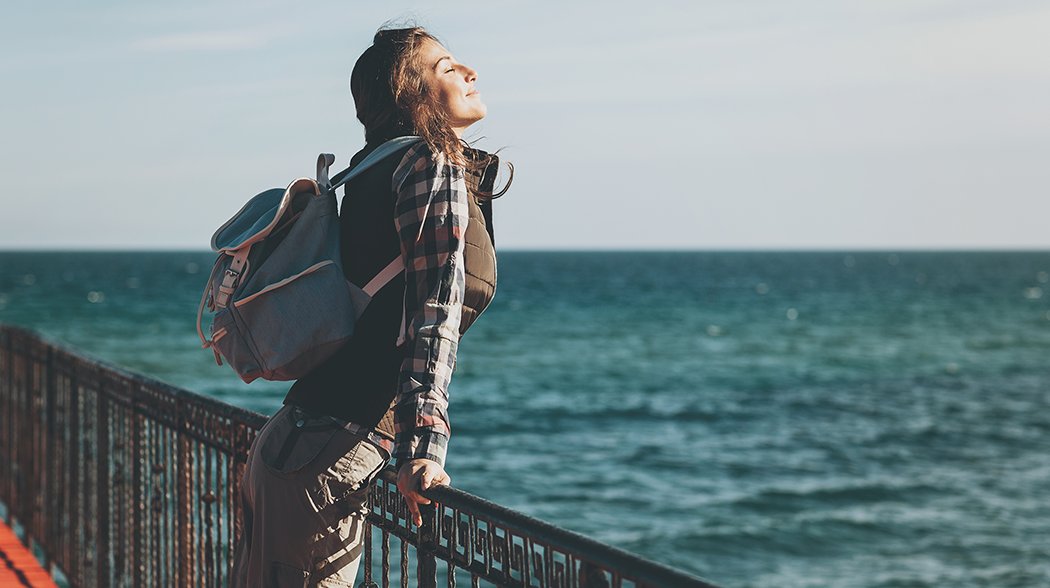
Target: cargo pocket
x,y
354,470
283,575
293,442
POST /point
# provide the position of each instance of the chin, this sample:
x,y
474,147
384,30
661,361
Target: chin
x,y
468,118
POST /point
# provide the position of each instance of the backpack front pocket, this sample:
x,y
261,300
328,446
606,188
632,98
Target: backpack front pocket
x,y
236,347
305,318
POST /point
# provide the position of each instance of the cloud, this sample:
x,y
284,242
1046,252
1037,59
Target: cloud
x,y
208,41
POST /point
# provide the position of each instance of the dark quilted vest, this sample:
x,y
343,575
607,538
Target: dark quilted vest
x,y
359,382
480,257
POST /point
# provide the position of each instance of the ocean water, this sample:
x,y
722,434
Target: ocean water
x,y
789,419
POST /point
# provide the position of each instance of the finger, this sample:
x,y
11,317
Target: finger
x,y
439,481
413,510
416,497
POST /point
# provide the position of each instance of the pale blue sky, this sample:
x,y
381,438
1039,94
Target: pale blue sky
x,y
656,124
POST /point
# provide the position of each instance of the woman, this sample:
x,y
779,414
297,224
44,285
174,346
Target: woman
x,y
384,394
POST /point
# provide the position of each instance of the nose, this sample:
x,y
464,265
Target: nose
x,y
469,73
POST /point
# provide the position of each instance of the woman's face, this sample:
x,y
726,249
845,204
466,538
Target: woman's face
x,y
452,86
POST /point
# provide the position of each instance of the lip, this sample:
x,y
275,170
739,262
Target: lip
x,y
473,93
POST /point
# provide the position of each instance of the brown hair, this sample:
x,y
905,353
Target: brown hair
x,y
392,98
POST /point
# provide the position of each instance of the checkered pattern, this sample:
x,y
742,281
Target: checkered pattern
x,y
431,219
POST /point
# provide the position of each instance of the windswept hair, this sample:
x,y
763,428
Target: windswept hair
x,y
392,98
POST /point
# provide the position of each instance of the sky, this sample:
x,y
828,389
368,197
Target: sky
x,y
759,124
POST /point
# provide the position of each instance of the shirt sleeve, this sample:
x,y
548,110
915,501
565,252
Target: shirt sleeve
x,y
431,220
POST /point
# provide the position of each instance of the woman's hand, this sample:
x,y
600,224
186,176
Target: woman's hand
x,y
415,474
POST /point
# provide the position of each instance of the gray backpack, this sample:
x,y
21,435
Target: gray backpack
x,y
280,300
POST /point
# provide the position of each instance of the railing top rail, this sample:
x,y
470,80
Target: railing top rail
x,y
242,415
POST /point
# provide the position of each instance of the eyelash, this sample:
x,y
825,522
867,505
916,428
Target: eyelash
x,y
450,69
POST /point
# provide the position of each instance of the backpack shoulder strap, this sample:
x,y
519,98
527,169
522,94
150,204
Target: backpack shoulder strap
x,y
325,160
384,276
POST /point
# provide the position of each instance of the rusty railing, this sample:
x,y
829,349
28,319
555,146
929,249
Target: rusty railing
x,y
121,480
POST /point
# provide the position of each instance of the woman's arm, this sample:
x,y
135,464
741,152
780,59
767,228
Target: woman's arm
x,y
431,220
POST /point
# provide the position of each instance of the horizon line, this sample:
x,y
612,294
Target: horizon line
x,y
846,249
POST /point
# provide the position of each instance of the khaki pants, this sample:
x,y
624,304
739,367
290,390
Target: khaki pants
x,y
304,496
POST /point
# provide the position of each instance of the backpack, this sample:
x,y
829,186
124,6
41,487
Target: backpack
x,y
280,300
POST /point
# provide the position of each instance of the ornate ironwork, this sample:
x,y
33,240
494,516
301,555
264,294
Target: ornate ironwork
x,y
122,480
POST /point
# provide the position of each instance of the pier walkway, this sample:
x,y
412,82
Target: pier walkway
x,y
18,567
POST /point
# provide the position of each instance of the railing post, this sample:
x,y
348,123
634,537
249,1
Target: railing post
x,y
426,569
138,495
18,464
7,457
33,529
51,461
75,563
102,481
184,549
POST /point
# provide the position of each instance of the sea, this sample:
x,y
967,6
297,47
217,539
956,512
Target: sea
x,y
758,418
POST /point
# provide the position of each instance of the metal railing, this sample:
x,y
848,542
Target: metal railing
x,y
121,480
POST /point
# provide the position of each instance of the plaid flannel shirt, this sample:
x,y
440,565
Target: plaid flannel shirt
x,y
431,217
